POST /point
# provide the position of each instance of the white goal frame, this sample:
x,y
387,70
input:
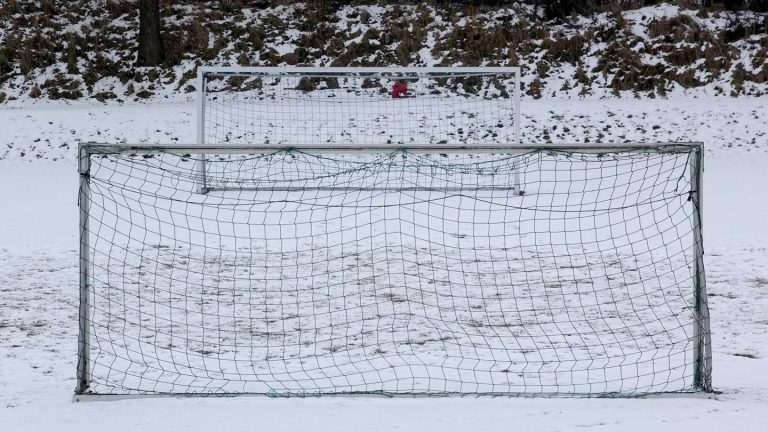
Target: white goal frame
x,y
701,335
340,72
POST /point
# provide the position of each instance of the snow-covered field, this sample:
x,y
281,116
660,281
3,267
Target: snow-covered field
x,y
38,280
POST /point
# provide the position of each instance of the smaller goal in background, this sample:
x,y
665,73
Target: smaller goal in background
x,y
362,107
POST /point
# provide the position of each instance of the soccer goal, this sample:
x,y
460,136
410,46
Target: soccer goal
x,y
415,270
356,107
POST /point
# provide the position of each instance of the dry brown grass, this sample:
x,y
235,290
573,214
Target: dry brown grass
x,y
686,79
48,7
370,83
305,84
564,49
542,69
761,76
197,38
409,35
274,23
738,77
681,41
256,38
365,48
9,8
535,88
684,55
629,72
144,94
672,27
104,96
243,59
365,16
35,92
5,64
61,87
72,54
582,77
99,67
26,61
231,7
118,8
174,47
617,16
474,43
37,51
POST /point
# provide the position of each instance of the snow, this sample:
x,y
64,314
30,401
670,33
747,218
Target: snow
x,y
38,280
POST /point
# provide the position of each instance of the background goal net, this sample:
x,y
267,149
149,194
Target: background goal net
x,y
399,271
356,107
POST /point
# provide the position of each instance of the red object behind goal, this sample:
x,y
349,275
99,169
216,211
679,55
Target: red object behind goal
x,y
399,89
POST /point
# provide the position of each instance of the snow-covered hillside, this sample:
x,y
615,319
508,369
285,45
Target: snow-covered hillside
x,y
74,50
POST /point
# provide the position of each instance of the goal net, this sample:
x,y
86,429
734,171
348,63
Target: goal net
x,y
356,106
415,270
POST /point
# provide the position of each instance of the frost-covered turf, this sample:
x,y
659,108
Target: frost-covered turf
x,y
38,283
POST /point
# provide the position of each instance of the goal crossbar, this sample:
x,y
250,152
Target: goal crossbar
x,y
97,148
374,72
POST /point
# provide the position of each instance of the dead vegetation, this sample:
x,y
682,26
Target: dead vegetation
x,y
65,48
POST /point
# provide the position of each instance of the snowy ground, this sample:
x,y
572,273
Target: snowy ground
x,y
38,280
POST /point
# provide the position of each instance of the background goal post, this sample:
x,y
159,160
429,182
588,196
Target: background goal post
x,y
373,270
357,106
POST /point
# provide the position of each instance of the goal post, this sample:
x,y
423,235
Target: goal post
x,y
412,270
702,334
84,321
343,106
